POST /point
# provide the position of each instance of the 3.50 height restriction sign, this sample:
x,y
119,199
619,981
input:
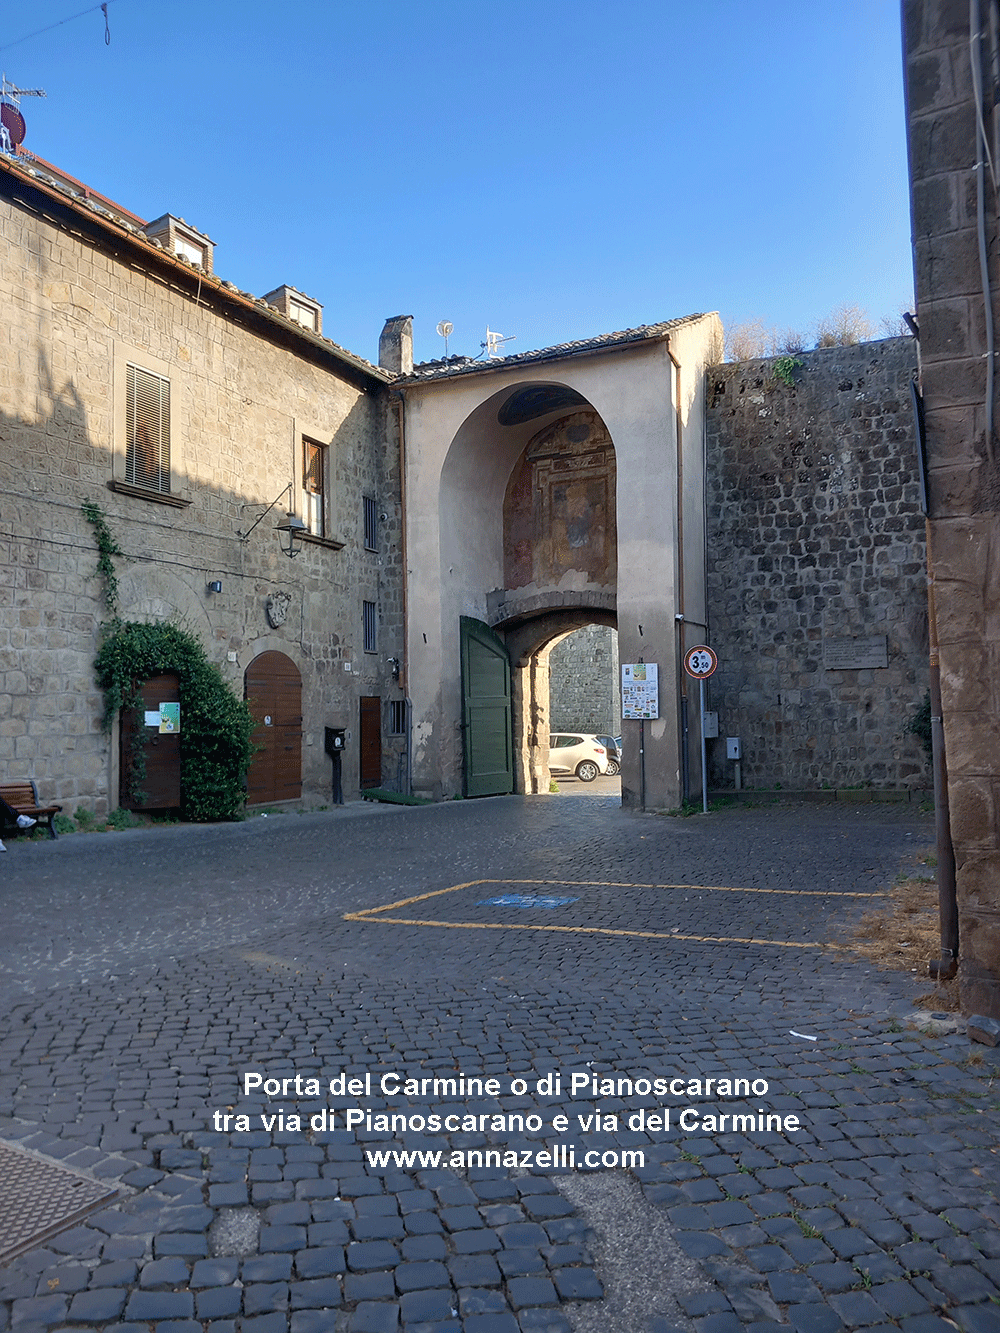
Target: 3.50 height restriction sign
x,y
700,662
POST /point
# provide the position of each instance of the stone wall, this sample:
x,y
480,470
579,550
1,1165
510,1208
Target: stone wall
x,y
584,688
76,311
963,452
816,565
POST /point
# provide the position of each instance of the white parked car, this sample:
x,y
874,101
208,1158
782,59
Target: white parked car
x,y
574,752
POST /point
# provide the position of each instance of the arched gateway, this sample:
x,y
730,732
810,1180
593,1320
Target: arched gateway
x,y
546,492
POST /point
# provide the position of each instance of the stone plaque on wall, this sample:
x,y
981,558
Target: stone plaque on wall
x,y
845,653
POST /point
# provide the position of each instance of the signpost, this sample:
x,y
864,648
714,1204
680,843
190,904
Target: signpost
x,y
700,662
641,700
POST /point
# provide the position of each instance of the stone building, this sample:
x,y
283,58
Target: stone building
x,y
623,483
952,53
136,379
546,492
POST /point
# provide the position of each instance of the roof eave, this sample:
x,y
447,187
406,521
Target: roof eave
x,y
202,282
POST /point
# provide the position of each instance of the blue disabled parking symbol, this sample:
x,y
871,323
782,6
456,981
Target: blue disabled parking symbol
x,y
524,900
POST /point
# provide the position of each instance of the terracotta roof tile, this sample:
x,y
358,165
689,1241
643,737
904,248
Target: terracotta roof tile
x,y
446,367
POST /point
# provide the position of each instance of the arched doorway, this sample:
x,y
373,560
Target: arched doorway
x,y
272,687
467,427
530,639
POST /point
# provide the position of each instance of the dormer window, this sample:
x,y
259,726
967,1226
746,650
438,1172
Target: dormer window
x,y
298,307
185,241
305,315
188,250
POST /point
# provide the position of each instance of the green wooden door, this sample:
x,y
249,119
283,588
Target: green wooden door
x,y
486,728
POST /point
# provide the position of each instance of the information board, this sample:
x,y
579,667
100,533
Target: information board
x,y
640,690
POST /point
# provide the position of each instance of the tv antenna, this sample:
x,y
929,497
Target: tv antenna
x,y
444,329
493,341
12,128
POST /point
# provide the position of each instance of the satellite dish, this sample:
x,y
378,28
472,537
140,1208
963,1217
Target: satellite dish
x,y
13,123
444,328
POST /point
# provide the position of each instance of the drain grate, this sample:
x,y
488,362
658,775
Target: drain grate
x,y
40,1197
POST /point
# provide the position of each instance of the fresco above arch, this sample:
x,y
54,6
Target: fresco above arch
x,y
559,510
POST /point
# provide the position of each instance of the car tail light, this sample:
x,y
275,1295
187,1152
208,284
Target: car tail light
x,y
599,749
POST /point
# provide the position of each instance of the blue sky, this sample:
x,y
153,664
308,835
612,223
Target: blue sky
x,y
555,169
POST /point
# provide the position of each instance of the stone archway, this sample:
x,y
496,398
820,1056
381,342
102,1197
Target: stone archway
x,y
499,532
529,643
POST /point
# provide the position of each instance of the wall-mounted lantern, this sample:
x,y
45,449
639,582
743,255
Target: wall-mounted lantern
x,y
293,527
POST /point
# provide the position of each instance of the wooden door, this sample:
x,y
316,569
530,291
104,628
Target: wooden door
x,y
371,741
486,715
273,689
159,788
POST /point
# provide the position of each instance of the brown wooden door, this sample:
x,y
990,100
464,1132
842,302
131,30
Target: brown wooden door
x,y
273,689
371,741
160,787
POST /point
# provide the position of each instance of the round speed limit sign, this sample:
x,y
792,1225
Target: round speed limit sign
x,y
700,662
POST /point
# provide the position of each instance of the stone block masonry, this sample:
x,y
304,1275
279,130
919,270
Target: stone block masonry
x,y
584,689
953,223
246,391
816,558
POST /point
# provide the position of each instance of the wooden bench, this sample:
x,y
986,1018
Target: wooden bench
x,y
21,798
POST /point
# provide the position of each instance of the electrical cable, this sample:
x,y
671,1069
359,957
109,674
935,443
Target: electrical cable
x,y
93,9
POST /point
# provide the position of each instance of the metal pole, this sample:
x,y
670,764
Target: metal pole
x,y
642,764
704,749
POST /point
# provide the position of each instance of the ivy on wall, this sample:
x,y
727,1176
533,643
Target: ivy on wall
x,y
216,726
106,548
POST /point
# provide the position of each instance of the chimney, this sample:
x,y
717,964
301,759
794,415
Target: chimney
x,y
395,346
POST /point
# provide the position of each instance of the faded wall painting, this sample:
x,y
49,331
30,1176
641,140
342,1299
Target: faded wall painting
x,y
559,510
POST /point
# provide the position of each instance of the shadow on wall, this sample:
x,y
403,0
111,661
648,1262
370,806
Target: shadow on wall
x,y
52,603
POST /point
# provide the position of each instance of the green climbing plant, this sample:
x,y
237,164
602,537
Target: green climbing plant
x,y
216,726
784,369
107,547
216,748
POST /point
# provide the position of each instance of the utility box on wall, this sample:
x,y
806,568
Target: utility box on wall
x,y
733,747
335,741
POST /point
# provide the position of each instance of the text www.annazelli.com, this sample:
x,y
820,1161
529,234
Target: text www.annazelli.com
x,y
563,1156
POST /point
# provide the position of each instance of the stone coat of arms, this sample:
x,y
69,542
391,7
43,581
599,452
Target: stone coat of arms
x,y
276,607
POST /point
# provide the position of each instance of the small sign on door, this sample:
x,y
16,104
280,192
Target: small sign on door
x,y
170,719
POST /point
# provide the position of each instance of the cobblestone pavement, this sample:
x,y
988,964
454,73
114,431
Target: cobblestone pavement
x,y
145,974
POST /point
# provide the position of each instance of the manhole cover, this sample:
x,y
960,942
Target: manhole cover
x,y
39,1198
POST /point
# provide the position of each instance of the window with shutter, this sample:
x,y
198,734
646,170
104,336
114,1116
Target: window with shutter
x,y
313,486
369,623
371,523
147,426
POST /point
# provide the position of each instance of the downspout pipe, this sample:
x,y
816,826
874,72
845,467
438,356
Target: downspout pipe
x,y
404,673
945,967
683,722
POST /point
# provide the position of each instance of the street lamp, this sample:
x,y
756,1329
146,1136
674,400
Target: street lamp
x,y
293,527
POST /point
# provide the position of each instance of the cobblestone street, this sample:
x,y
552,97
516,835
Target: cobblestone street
x,y
144,974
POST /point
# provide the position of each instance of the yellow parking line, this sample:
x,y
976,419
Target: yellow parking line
x,y
365,917
605,884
